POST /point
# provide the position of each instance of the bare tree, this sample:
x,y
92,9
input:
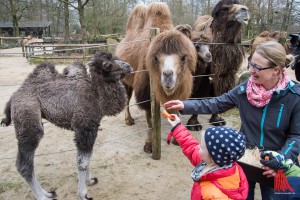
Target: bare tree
x,y
15,9
67,25
80,8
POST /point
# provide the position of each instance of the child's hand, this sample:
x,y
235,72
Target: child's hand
x,y
174,121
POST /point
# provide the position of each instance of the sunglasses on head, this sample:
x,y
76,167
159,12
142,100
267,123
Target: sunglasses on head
x,y
256,67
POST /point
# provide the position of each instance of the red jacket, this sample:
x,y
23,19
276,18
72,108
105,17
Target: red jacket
x,y
230,183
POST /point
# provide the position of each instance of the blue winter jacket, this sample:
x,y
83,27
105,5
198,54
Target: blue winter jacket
x,y
273,127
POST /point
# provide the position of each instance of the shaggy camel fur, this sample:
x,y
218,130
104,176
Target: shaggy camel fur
x,y
224,26
74,100
170,60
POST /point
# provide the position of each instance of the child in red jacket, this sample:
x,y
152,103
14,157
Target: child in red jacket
x,y
216,174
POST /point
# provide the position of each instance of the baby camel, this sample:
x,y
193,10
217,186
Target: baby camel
x,y
74,100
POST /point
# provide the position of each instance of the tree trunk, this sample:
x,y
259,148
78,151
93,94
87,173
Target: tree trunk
x,y
82,20
58,19
285,13
67,26
13,11
289,12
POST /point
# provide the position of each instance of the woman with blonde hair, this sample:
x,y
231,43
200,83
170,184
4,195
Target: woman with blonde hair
x,y
269,107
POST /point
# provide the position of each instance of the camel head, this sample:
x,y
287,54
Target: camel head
x,y
201,43
199,39
170,60
108,67
231,11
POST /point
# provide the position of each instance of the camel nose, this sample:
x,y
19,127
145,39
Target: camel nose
x,y
208,57
168,73
243,9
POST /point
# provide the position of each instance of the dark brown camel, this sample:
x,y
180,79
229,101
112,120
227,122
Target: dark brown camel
x,y
224,26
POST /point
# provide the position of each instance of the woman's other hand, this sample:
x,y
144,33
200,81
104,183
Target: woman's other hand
x,y
269,172
174,105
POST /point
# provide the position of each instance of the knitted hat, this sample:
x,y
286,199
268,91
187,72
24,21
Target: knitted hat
x,y
225,145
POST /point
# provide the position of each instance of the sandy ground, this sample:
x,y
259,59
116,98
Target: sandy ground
x,y
123,169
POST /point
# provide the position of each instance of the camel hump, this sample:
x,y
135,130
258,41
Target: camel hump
x,y
203,22
158,9
136,20
43,72
265,34
159,15
75,70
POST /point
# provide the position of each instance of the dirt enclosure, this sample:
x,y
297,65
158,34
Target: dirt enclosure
x,y
123,169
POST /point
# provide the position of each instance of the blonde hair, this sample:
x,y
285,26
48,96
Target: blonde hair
x,y
275,53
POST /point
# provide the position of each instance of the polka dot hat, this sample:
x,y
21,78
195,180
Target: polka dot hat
x,y
225,145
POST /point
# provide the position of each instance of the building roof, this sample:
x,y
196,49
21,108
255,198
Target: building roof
x,y
26,24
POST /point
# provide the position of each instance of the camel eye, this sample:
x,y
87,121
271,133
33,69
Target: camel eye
x,y
107,66
225,9
183,59
155,59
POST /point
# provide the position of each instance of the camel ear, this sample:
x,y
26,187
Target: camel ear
x,y
186,29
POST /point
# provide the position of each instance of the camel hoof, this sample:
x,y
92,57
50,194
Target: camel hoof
x,y
93,181
53,195
5,122
194,128
195,125
88,198
174,141
218,121
129,122
148,147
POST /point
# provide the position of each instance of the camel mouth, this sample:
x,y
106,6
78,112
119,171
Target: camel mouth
x,y
169,92
243,21
207,58
126,68
243,16
168,85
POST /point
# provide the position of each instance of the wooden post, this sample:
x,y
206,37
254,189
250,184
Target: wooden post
x,y
155,114
26,51
84,53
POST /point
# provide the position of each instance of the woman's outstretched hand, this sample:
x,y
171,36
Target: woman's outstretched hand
x,y
174,105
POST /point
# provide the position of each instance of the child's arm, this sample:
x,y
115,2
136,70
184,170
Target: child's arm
x,y
189,145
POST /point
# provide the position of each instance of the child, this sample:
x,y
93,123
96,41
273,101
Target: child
x,y
216,174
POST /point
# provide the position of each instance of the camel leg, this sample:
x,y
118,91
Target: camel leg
x,y
194,122
128,119
28,140
85,140
148,141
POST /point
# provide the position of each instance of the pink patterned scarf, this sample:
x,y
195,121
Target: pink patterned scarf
x,y
258,96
